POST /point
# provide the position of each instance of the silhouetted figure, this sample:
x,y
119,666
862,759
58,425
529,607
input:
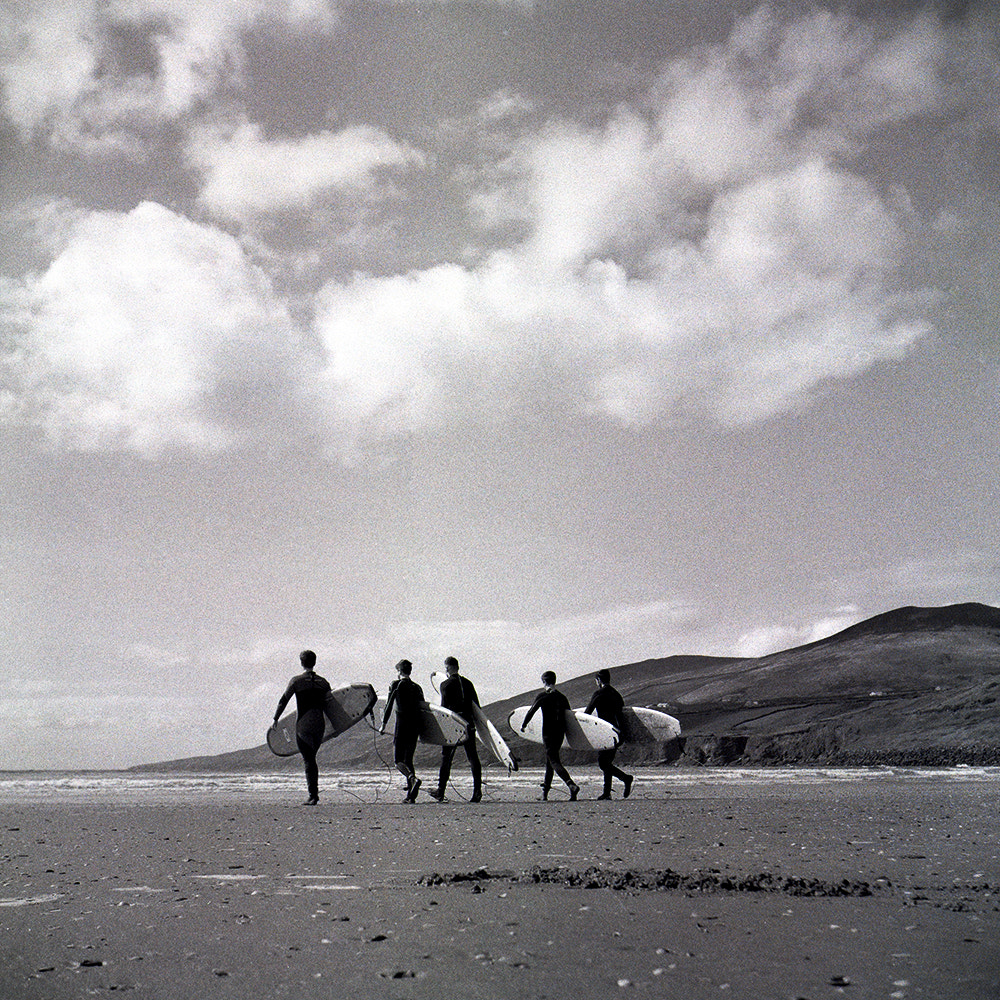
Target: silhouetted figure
x,y
609,705
310,692
458,694
554,706
408,699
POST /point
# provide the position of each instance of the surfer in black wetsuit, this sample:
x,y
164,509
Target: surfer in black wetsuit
x,y
609,705
554,706
458,694
408,699
310,692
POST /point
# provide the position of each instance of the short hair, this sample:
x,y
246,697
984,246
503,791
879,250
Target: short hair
x,y
450,661
404,667
604,675
549,677
307,658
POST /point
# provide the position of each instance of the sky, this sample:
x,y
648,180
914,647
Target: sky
x,y
547,335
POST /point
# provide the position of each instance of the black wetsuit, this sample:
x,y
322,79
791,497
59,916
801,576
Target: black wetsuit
x,y
554,706
609,705
310,692
459,695
408,698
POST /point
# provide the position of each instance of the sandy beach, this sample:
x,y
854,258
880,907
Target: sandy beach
x,y
887,885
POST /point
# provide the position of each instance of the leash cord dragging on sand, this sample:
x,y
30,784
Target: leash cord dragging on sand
x,y
378,753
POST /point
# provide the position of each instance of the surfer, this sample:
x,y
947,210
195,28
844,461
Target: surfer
x,y
554,706
609,705
408,699
458,694
311,693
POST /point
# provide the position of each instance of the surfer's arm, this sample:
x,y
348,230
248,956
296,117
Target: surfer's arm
x,y
389,702
531,712
282,702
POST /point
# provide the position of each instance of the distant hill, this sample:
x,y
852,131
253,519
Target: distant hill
x,y
911,686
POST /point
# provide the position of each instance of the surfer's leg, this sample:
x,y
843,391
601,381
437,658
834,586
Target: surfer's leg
x,y
405,746
308,750
447,756
557,766
604,762
477,770
547,778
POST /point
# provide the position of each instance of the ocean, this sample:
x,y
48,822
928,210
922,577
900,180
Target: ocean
x,y
143,788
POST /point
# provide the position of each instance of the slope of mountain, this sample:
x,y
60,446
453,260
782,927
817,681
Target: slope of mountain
x,y
911,686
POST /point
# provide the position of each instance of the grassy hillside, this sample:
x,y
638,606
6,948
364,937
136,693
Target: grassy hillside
x,y
912,686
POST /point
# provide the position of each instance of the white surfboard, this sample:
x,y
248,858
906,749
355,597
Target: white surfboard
x,y
442,727
490,736
647,725
348,704
583,732
486,732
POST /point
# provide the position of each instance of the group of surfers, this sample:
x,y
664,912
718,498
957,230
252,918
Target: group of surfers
x,y
459,695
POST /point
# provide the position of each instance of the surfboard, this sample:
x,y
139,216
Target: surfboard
x,y
583,732
348,704
486,732
442,727
647,725
489,735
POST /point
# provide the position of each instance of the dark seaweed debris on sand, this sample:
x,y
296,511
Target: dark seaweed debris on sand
x,y
665,881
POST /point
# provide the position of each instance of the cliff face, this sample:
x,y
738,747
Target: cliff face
x,y
912,686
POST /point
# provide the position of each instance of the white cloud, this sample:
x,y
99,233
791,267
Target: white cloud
x,y
146,331
790,286
47,59
246,175
59,78
704,255
788,87
767,639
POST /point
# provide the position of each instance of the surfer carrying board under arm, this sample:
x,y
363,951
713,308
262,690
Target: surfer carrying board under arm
x,y
408,699
554,706
310,692
458,693
609,705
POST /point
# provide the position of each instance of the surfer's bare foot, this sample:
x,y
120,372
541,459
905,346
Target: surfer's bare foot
x,y
477,796
603,796
436,794
628,787
313,800
545,794
414,788
574,791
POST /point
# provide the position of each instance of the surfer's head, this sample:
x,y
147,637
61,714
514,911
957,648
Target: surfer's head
x,y
603,676
451,664
549,678
404,667
308,659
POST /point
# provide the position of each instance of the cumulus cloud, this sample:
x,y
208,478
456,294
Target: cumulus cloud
x,y
95,75
247,175
789,286
147,330
710,253
711,250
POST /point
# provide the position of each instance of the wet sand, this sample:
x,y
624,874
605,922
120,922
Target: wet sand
x,y
879,888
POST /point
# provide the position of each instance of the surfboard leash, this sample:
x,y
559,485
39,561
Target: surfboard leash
x,y
378,753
